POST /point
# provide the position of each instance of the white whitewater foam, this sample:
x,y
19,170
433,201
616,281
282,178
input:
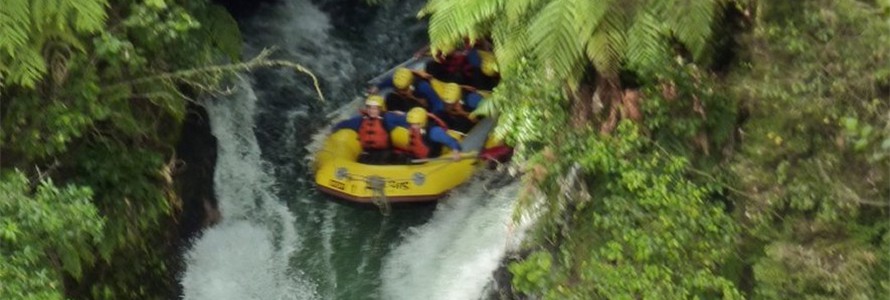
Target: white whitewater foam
x,y
246,255
454,255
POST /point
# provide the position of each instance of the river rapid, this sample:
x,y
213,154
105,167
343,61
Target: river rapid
x,y
278,237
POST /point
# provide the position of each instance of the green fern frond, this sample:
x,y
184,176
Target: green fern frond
x,y
518,10
27,25
484,10
690,21
568,36
14,26
602,55
590,14
43,13
513,44
607,47
431,7
66,37
446,27
458,19
89,15
646,48
481,12
555,39
28,67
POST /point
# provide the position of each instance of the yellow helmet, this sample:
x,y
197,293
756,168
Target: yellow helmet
x,y
489,68
399,136
376,100
448,91
452,93
402,78
489,63
417,115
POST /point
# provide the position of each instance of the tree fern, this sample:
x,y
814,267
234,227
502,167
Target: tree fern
x,y
517,11
645,42
27,25
446,28
554,36
512,44
569,36
690,21
14,25
605,39
89,16
450,27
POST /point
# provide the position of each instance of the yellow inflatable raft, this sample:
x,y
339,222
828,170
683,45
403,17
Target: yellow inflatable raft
x,y
340,174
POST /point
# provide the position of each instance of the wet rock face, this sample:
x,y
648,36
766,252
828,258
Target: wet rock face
x,y
502,288
501,285
196,152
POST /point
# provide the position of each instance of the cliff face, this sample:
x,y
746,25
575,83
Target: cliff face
x,y
196,152
193,180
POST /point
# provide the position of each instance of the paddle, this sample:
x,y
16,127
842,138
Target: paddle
x,y
406,63
475,139
463,155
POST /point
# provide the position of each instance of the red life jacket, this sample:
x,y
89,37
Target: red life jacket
x,y
418,148
416,145
372,135
456,63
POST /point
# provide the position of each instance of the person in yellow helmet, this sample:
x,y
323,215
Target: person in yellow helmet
x,y
485,74
404,95
402,78
372,126
426,139
441,93
458,110
432,92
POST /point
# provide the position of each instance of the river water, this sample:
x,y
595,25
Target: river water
x,y
279,238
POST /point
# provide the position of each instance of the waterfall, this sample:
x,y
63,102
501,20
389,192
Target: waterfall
x,y
246,255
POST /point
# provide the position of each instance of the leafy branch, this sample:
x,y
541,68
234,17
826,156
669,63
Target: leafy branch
x,y
259,61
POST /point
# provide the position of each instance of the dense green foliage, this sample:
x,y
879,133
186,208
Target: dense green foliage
x,y
814,164
31,263
618,216
641,220
753,162
93,94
